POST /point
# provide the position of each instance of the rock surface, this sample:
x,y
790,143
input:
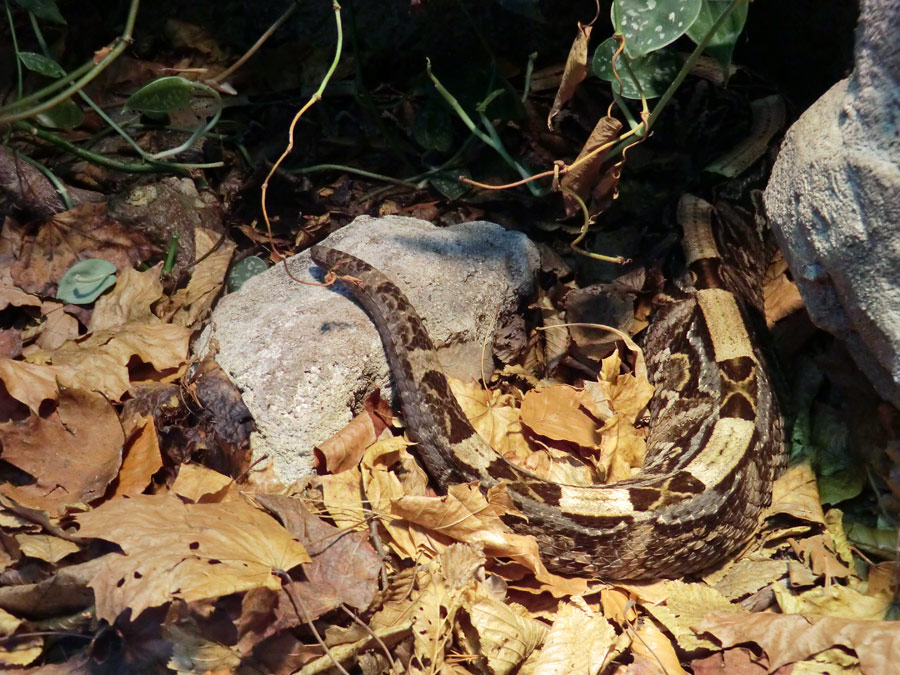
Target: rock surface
x,y
305,357
833,202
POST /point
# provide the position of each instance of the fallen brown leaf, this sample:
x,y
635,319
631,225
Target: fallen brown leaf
x,y
574,73
184,551
73,453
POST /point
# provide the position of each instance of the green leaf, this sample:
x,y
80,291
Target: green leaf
x,y
83,282
433,128
162,96
64,115
652,73
41,64
243,270
650,24
841,486
721,46
43,9
449,185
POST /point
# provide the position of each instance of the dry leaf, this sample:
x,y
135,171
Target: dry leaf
x,y
45,547
73,453
507,632
685,606
555,412
651,644
192,303
142,457
493,415
835,600
81,233
129,300
791,638
28,383
577,642
583,178
342,495
574,73
100,361
184,551
195,482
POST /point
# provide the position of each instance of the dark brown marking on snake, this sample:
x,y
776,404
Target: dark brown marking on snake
x,y
549,493
686,483
644,499
737,369
706,273
501,468
737,405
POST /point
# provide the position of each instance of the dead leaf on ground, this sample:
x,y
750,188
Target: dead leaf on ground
x,y
142,456
75,235
197,483
192,303
73,453
345,449
45,547
578,642
184,551
29,384
789,638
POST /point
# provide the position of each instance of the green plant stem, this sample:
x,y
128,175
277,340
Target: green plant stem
x,y
102,160
358,172
118,47
15,42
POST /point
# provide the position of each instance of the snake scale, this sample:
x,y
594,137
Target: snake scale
x,y
715,444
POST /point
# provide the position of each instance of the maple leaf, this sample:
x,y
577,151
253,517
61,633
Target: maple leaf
x,y
183,551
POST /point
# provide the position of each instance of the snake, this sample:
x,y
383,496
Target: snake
x,y
715,443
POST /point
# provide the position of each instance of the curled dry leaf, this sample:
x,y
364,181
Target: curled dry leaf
x,y
183,551
73,453
584,175
507,633
685,606
344,450
493,415
574,73
198,483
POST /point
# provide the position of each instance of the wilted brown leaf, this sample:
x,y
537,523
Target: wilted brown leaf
x,y
129,300
835,600
507,633
574,73
782,297
83,232
656,649
583,177
493,416
685,606
184,551
342,495
73,453
788,638
58,326
344,450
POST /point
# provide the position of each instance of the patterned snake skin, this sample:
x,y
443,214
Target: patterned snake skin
x,y
715,444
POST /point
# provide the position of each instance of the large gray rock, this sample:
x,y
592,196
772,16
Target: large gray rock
x,y
834,202
304,357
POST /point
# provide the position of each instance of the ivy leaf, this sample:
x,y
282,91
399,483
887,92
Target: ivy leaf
x,y
41,64
721,45
163,95
649,25
43,9
85,281
652,74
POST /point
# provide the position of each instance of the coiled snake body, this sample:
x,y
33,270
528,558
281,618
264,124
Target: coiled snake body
x,y
715,444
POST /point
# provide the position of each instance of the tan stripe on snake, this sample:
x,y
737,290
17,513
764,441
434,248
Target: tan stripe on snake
x,y
715,444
